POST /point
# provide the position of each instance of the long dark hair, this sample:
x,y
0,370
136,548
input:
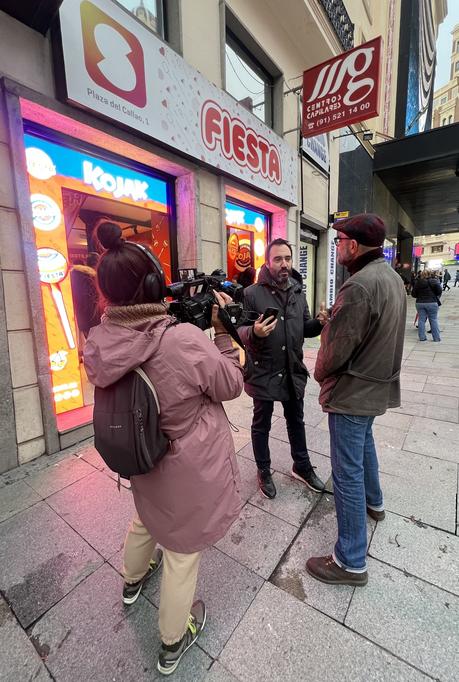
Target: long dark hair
x,y
121,269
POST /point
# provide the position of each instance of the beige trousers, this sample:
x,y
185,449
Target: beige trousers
x,y
178,582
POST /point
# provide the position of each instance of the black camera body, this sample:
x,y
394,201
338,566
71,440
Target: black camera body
x,y
193,297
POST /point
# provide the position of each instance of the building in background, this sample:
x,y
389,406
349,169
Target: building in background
x,y
438,251
446,98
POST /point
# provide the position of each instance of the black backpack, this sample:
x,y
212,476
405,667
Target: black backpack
x,y
126,425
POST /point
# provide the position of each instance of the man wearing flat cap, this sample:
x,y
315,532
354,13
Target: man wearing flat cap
x,y
358,369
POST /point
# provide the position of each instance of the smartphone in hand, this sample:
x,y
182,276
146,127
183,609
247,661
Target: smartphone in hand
x,y
270,312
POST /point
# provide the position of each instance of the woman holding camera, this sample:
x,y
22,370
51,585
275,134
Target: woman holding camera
x,y
191,498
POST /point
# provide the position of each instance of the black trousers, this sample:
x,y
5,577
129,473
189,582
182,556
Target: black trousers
x,y
261,426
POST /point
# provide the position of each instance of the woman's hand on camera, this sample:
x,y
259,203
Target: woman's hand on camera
x,y
264,329
223,299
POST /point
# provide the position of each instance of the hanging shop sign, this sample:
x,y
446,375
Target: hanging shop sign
x,y
342,90
316,148
115,66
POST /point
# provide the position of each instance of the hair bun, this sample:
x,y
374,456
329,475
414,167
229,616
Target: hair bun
x,y
110,235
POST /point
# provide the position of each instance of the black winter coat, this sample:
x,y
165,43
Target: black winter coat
x,y
426,290
274,368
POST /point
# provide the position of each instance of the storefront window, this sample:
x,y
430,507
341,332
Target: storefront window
x,y
247,238
149,12
71,192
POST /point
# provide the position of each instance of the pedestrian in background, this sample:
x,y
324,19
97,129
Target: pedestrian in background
x,y
427,292
456,281
84,292
191,497
247,277
358,369
446,278
274,368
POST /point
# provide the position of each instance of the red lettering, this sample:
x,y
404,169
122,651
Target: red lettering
x,y
212,122
226,142
252,147
239,142
274,165
263,146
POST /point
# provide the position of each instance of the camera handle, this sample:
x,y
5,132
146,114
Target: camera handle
x,y
229,326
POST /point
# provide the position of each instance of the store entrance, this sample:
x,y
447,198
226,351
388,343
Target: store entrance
x,y
71,192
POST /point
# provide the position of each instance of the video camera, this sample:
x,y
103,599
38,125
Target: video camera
x,y
193,300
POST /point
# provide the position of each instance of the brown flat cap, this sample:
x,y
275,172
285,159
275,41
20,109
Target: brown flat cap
x,y
367,229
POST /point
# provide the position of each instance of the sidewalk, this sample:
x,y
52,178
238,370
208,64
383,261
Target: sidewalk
x,y
62,525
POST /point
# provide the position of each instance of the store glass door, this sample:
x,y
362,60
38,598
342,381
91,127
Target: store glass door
x,y
247,231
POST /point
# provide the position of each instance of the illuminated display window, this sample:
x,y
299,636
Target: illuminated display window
x,y
71,191
247,238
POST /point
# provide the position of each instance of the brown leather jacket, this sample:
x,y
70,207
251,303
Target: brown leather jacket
x,y
360,356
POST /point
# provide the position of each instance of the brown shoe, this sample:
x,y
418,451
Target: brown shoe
x,y
376,515
323,568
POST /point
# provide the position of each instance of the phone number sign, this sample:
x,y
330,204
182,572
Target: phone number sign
x,y
342,90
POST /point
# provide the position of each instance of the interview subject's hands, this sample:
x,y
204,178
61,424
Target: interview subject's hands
x,y
323,315
263,329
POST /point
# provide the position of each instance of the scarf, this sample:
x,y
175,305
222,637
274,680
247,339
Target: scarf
x,y
132,315
364,259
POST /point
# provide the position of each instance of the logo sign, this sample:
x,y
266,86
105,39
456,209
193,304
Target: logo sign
x,y
39,164
316,148
239,143
340,215
331,269
113,56
342,90
116,185
46,213
119,69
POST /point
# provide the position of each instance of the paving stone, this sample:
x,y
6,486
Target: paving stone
x,y
228,589
239,415
281,459
281,638
388,436
218,673
432,445
21,473
316,439
41,560
241,438
18,658
249,483
394,420
317,538
403,477
426,553
91,456
436,427
450,414
442,381
416,621
15,498
438,389
293,502
87,502
91,635
257,540
59,476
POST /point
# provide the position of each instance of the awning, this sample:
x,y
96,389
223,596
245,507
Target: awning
x,y
422,173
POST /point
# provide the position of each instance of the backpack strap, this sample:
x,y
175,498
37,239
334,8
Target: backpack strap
x,y
149,383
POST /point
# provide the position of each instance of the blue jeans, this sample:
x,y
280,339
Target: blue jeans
x,y
355,485
428,310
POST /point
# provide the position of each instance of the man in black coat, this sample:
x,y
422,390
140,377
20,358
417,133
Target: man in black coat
x,y
274,368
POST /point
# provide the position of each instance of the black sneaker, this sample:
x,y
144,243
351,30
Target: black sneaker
x,y
131,591
266,483
170,655
310,478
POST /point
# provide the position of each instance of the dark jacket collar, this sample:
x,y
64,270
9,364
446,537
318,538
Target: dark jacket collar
x,y
364,259
265,278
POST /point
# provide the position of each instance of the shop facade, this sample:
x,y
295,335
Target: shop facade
x,y
200,180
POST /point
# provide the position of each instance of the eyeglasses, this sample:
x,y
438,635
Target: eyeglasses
x,y
337,240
